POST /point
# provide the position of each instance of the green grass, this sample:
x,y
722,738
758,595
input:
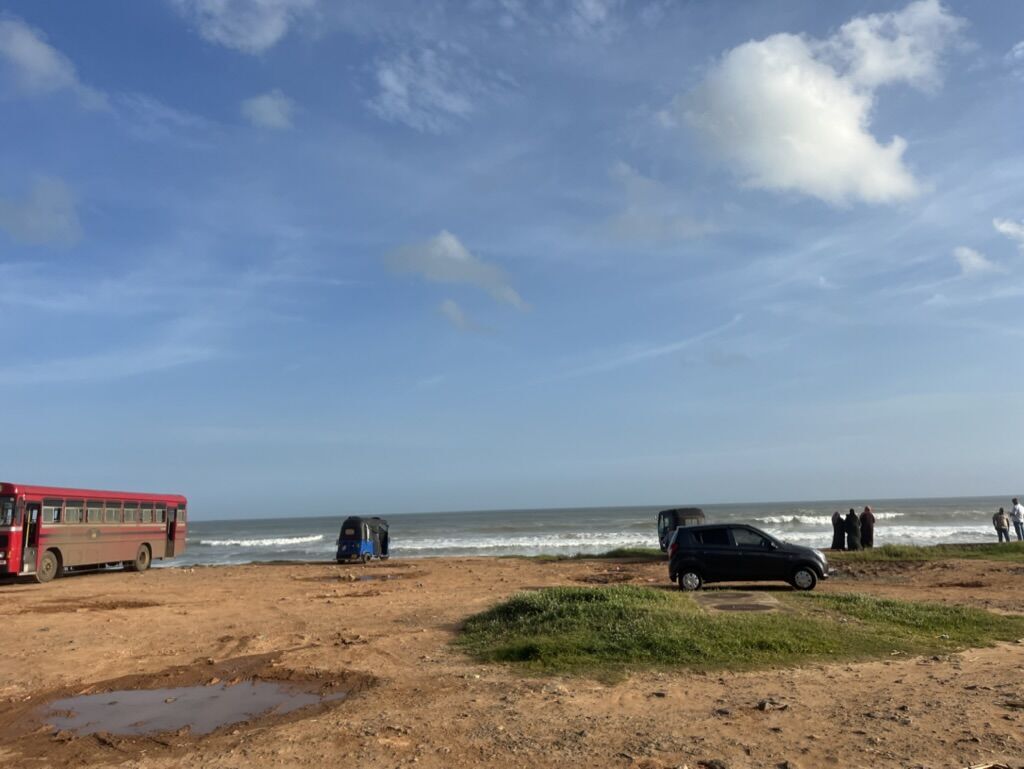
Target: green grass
x,y
609,630
1013,551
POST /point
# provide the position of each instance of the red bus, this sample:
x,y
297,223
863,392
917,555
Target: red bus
x,y
45,530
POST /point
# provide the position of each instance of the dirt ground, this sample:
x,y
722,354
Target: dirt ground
x,y
383,632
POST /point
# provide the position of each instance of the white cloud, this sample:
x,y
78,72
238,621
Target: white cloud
x,y
972,262
269,110
443,259
793,114
1015,59
48,216
38,68
426,89
1011,229
250,26
651,213
149,119
590,17
454,314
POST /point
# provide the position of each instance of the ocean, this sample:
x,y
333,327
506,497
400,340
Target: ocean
x,y
567,531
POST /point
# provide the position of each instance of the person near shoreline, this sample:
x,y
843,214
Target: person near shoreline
x,y
867,528
852,530
1002,523
1017,516
838,531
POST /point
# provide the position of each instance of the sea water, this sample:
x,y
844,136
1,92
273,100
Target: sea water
x,y
567,531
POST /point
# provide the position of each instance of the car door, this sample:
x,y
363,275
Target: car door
x,y
717,555
759,558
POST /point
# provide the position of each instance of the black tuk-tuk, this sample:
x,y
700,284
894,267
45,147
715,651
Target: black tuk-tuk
x,y
670,520
362,539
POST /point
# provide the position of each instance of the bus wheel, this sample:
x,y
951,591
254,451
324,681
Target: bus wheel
x,y
49,567
141,562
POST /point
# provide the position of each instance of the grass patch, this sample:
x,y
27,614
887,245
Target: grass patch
x,y
608,630
1013,551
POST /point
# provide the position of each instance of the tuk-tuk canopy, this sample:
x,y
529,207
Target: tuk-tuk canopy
x,y
359,527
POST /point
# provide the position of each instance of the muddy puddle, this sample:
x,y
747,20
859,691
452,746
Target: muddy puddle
x,y
199,709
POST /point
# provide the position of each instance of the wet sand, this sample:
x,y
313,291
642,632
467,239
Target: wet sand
x,y
382,634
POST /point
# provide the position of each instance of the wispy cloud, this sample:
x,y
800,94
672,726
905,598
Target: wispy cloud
x,y
651,212
249,26
38,68
646,353
113,364
430,89
790,113
47,216
973,262
269,110
454,314
1011,229
443,259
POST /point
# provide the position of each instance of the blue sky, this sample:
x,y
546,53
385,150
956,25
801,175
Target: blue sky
x,y
304,257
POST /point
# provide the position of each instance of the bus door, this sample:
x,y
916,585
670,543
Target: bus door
x,y
30,538
172,526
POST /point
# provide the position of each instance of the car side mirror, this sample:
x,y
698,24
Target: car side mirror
x,y
770,545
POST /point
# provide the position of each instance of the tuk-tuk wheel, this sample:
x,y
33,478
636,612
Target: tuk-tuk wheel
x,y
365,558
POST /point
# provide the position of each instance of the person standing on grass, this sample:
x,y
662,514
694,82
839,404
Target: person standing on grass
x,y
867,528
1017,516
852,530
838,531
1002,523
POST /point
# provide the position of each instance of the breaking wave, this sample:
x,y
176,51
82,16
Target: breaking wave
x,y
274,542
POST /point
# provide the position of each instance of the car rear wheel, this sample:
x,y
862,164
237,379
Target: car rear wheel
x,y
804,578
690,581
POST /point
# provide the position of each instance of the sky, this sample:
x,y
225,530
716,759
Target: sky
x,y
307,257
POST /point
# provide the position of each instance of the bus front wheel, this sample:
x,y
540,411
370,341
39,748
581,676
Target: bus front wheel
x,y
49,567
142,560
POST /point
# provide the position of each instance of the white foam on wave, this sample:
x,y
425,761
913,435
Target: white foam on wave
x,y
898,535
273,542
815,520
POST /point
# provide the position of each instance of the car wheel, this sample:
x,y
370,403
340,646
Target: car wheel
x,y
690,581
804,578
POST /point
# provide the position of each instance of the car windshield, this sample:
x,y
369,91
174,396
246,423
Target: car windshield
x,y
6,511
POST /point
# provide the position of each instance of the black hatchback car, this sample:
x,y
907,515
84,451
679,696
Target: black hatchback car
x,y
736,552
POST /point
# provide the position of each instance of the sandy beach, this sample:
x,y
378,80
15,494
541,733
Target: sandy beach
x,y
382,633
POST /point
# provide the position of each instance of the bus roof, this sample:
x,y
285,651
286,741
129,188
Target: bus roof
x,y
17,489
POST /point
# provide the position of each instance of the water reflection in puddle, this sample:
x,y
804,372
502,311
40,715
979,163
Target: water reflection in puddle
x,y
200,708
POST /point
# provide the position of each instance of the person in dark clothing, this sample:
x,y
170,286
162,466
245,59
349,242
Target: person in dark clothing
x,y
867,528
852,530
838,531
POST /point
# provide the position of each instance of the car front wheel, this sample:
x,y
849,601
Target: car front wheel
x,y
690,581
804,578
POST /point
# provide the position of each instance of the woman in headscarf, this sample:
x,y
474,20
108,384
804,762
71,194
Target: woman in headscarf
x,y
867,528
852,530
838,531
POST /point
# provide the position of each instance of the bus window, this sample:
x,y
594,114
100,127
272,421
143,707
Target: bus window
x,y
131,512
6,511
52,510
73,511
181,514
95,511
146,513
160,516
112,513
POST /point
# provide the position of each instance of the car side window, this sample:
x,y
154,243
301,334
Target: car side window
x,y
748,538
715,537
